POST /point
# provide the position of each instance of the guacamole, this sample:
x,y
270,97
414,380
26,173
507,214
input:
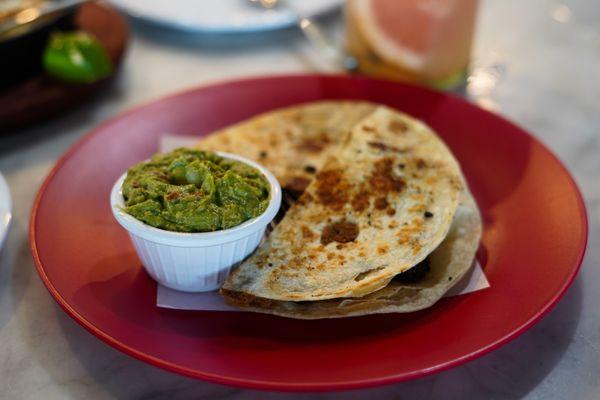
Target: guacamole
x,y
194,191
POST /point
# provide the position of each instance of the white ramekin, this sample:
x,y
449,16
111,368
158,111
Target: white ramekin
x,y
195,262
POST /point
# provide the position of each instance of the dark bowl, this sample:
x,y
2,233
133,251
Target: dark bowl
x,y
35,96
21,53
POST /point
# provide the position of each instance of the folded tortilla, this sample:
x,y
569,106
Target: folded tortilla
x,y
308,276
449,262
380,204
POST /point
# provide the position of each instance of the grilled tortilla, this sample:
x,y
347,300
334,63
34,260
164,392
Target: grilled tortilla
x,y
448,263
381,203
293,142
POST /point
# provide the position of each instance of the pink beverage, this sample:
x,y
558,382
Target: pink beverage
x,y
421,41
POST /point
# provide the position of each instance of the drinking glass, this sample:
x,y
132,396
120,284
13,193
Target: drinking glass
x,y
421,41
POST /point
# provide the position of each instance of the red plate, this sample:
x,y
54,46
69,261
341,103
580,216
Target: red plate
x,y
533,244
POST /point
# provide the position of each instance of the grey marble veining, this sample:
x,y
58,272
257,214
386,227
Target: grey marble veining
x,y
535,62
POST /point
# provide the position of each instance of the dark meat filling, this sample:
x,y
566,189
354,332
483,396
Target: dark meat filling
x,y
296,186
415,274
287,199
290,194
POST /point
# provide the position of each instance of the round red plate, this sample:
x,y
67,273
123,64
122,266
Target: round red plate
x,y
533,244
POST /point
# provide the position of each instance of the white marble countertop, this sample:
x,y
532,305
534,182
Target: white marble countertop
x,y
535,61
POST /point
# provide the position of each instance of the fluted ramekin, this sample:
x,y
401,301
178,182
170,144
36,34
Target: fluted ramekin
x,y
195,262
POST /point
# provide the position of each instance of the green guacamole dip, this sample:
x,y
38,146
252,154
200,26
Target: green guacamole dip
x,y
194,191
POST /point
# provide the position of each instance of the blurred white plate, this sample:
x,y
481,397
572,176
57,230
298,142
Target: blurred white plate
x,y
220,16
5,210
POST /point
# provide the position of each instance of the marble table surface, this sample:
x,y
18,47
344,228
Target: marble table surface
x,y
535,61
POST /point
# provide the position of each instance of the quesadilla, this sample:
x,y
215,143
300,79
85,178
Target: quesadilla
x,y
406,292
380,204
392,233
